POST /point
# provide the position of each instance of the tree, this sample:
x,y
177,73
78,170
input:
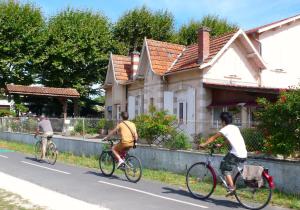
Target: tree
x,y
280,122
188,33
136,24
20,29
77,44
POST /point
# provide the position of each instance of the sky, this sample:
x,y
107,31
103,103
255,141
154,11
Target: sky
x,y
245,13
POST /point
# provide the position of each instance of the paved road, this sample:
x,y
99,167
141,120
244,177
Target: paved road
x,y
114,193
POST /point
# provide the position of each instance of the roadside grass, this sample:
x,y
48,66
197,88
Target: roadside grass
x,y
178,180
12,201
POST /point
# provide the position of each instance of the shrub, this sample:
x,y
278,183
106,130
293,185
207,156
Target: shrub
x,y
154,125
6,112
29,125
178,141
79,126
280,122
109,124
101,123
254,139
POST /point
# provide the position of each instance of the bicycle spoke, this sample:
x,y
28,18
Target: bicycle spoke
x,y
133,169
200,181
106,163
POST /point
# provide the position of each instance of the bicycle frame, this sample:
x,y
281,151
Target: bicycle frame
x,y
216,173
239,170
122,154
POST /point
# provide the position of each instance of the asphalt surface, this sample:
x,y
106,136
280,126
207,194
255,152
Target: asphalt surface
x,y
115,192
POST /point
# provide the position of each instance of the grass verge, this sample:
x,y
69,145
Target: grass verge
x,y
12,201
278,198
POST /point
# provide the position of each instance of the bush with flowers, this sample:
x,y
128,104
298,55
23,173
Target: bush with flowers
x,y
280,122
156,124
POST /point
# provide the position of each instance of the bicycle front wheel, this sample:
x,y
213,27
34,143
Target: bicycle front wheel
x,y
51,153
133,169
252,194
38,150
200,180
107,163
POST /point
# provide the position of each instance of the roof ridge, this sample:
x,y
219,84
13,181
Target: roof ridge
x,y
174,62
166,42
251,30
225,34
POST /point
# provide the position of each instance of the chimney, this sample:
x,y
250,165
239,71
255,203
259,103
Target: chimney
x,y
203,43
135,58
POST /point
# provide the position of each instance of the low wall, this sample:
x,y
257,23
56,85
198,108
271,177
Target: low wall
x,y
286,173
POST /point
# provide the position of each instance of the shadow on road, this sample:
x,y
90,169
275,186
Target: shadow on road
x,y
218,202
35,160
101,175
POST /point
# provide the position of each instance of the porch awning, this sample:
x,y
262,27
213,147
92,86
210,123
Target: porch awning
x,y
245,104
242,88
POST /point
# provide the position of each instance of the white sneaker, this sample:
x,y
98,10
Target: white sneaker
x,y
120,163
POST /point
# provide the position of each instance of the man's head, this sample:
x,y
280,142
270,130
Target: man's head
x,y
124,115
42,117
226,118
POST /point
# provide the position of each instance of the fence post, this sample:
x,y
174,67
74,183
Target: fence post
x,y
83,130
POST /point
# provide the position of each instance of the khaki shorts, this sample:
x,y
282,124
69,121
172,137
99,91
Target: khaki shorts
x,y
121,147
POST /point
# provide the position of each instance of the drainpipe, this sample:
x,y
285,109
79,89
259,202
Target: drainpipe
x,y
126,97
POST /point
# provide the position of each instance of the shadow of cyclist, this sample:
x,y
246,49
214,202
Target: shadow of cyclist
x,y
108,177
218,202
35,160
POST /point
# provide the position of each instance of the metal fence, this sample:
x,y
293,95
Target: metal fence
x,y
97,128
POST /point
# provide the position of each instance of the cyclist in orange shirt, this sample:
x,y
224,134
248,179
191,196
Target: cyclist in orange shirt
x,y
128,133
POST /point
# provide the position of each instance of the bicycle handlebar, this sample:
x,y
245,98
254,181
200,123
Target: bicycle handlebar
x,y
111,141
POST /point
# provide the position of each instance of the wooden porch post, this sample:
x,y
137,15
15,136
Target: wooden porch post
x,y
63,101
65,108
76,108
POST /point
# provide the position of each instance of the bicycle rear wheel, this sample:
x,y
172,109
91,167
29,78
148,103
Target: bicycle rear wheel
x,y
38,150
107,163
51,153
250,194
200,180
133,169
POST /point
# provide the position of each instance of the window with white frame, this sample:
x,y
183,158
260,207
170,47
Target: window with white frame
x,y
216,111
236,115
181,109
235,111
118,108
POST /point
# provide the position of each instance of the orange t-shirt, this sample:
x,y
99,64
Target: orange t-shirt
x,y
126,134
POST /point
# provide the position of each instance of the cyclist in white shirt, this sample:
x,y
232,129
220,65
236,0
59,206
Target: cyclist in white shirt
x,y
238,152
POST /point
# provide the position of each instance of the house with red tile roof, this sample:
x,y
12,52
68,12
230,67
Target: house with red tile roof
x,y
197,82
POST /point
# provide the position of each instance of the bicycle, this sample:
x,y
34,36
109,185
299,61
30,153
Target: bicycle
x,y
132,166
201,181
51,150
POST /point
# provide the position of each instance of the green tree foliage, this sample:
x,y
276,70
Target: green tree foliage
x,y
136,24
280,122
188,33
20,29
77,44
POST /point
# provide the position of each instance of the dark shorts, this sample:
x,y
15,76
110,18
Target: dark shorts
x,y
229,162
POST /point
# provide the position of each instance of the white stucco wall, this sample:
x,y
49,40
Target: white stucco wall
x,y
233,67
280,50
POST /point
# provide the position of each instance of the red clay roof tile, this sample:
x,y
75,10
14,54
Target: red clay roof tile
x,y
189,57
42,91
122,67
163,54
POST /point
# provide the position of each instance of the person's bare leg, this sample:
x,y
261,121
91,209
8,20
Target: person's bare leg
x,y
229,181
115,152
44,146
